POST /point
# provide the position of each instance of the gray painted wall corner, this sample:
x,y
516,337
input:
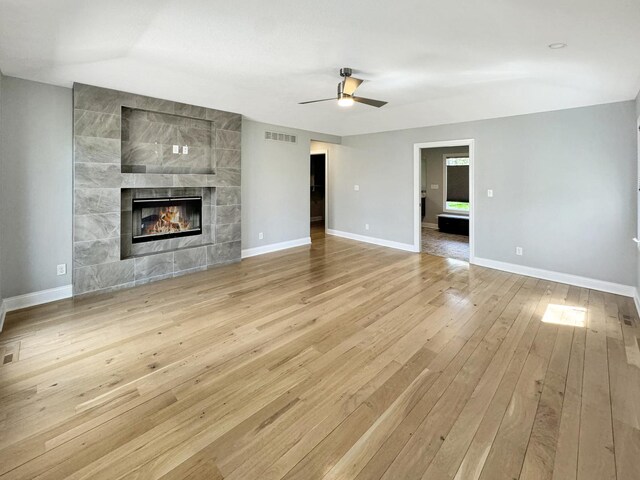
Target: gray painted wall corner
x,y
36,162
637,179
275,184
2,311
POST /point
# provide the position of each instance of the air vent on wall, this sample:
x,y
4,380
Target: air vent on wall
x,y
280,137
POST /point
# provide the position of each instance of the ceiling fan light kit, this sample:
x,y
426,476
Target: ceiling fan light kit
x,y
346,89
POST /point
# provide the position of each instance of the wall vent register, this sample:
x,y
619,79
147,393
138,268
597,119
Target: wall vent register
x,y
280,137
167,217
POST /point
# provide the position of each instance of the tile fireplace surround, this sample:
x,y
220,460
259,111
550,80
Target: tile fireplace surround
x,y
123,149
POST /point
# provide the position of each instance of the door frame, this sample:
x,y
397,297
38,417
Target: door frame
x,y
325,152
417,171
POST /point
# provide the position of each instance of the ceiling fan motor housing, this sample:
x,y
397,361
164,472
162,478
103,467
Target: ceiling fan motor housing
x,y
346,72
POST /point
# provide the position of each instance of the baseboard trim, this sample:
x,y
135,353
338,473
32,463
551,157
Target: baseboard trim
x,y
37,298
578,281
407,247
275,247
3,313
432,226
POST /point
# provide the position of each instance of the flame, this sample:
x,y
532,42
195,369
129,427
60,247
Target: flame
x,y
170,220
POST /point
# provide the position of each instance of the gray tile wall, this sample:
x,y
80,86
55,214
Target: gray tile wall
x,y
116,157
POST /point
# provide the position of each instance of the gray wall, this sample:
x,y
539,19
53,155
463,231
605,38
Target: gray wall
x,y
1,198
637,179
275,184
35,151
432,173
560,180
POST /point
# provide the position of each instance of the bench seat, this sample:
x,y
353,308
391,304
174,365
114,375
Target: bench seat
x,y
452,223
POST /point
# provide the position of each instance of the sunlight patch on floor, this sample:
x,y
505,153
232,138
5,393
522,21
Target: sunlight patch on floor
x,y
565,315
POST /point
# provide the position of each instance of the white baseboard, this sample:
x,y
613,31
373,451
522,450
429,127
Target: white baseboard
x,y
432,226
585,282
3,313
407,247
274,247
37,298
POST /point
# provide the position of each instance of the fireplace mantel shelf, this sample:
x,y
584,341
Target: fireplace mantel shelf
x,y
159,180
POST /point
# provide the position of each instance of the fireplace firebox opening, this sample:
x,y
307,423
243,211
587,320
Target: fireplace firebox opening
x,y
168,217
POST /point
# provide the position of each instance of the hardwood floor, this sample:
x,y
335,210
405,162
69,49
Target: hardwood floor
x,y
339,361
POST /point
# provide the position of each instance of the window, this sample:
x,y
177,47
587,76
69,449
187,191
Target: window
x,y
456,183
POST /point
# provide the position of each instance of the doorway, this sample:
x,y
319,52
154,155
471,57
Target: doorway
x,y
443,191
318,194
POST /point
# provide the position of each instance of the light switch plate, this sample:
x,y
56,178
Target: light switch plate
x,y
356,187
435,186
185,150
176,149
489,193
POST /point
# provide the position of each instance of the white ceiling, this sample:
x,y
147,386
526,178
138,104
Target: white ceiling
x,y
434,61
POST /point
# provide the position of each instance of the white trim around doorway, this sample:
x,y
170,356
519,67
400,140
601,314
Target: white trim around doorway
x,y
417,220
324,152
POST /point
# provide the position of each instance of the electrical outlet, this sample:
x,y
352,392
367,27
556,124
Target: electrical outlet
x,y
61,269
185,150
356,187
176,149
260,236
489,193
518,250
366,226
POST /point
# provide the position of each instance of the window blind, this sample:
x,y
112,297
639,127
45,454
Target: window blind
x,y
457,183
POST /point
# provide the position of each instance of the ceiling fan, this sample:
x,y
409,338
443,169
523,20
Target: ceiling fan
x,y
346,89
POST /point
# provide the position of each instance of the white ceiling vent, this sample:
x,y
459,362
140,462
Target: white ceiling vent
x,y
280,137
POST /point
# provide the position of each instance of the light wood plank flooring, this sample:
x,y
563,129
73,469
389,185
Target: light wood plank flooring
x,y
340,361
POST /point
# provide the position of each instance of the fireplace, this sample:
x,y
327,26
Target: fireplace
x,y
162,218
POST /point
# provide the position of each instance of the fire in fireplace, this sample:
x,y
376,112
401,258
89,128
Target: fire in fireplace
x,y
161,218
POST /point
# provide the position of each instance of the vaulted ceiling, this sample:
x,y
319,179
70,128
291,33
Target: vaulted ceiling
x,y
434,61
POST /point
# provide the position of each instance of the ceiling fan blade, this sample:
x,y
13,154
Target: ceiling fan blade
x,y
316,101
350,84
369,101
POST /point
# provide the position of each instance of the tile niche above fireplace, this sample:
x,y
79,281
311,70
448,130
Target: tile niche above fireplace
x,y
156,189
